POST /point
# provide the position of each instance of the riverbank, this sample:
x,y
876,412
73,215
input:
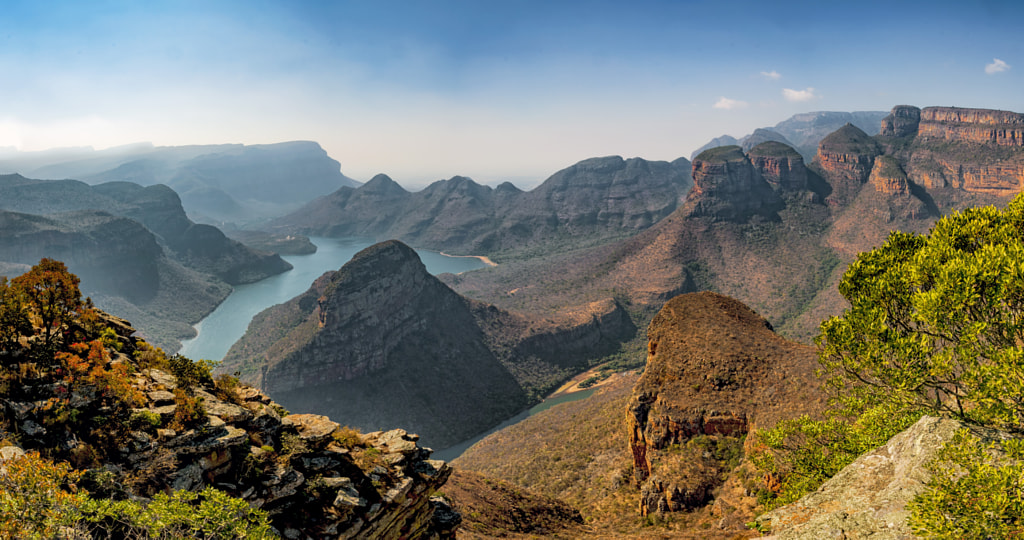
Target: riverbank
x,y
573,385
481,258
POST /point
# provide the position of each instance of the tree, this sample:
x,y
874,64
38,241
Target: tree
x,y
52,293
14,321
936,322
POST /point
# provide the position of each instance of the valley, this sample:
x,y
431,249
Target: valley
x,y
685,294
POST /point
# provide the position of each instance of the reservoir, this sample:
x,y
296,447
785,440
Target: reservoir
x,y
222,328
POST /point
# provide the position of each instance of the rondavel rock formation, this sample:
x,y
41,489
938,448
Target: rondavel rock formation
x,y
715,369
381,342
314,479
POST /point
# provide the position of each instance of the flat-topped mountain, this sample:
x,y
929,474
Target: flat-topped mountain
x,y
227,182
136,251
357,342
594,200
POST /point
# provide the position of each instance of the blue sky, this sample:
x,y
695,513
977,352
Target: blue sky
x,y
488,89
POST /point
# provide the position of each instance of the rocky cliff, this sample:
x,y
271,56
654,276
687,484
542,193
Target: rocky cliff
x,y
846,158
355,343
780,165
715,370
902,121
595,199
981,126
147,424
727,187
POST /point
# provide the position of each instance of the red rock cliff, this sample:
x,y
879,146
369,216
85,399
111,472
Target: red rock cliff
x,y
1002,128
846,157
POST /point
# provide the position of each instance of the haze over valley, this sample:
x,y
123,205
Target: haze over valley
x,y
657,270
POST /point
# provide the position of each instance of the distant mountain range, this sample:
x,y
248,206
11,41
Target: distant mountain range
x,y
594,200
242,184
802,131
137,253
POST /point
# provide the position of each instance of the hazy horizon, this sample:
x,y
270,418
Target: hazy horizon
x,y
492,91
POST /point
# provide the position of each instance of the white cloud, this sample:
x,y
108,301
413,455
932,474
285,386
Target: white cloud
x,y
996,66
806,94
771,75
728,104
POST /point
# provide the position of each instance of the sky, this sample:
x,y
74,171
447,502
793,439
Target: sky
x,y
490,89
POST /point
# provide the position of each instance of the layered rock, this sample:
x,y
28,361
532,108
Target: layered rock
x,y
727,187
868,498
846,158
715,370
979,126
888,177
902,121
313,478
780,165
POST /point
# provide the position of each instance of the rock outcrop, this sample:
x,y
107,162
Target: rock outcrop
x,y
315,479
780,165
715,370
727,187
979,126
596,198
902,121
868,498
846,158
888,177
354,343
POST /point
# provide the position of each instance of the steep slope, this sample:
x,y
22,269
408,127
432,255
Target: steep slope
x,y
143,425
382,342
594,200
714,370
137,253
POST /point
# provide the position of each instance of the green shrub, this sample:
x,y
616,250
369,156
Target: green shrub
x,y
973,493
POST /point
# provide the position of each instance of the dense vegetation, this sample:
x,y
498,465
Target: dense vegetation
x,y
935,327
60,355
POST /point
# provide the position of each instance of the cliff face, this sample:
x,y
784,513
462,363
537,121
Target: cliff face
x,y
980,126
727,187
314,479
888,177
595,199
846,158
902,121
780,165
715,370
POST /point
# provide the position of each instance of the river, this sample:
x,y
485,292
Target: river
x,y
222,328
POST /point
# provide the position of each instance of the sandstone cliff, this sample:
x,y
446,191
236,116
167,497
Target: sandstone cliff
x,y
715,370
902,121
149,424
846,158
780,165
357,341
727,187
594,200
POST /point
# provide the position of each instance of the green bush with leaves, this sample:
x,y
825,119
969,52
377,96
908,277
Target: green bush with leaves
x,y
935,326
976,491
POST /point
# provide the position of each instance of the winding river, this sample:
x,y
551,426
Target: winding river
x,y
222,328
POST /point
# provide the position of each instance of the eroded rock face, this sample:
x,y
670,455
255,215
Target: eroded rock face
x,y
888,177
727,187
868,498
1002,128
901,122
715,370
780,165
846,157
